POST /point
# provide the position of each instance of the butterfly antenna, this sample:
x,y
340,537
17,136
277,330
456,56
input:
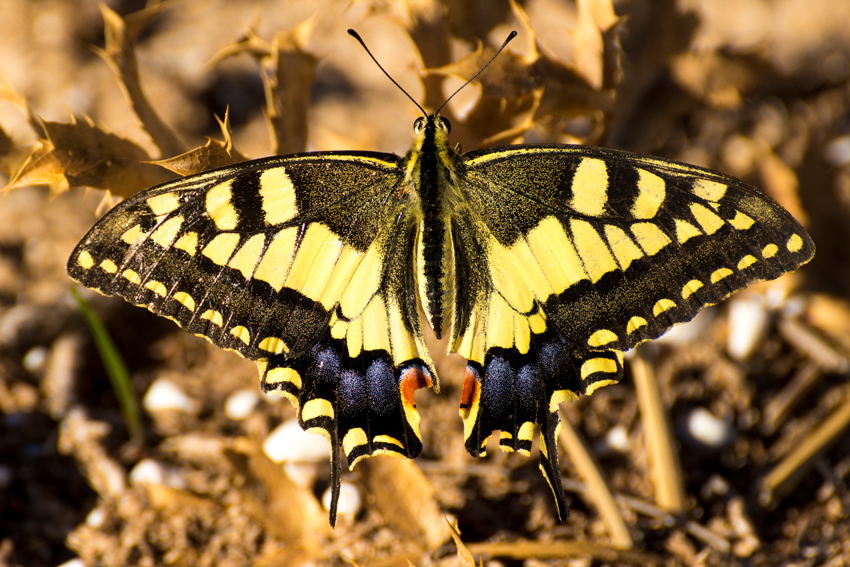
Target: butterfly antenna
x,y
356,36
507,41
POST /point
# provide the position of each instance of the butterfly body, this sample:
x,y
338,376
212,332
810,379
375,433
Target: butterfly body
x,y
541,263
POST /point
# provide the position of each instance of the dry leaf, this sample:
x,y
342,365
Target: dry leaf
x,y
81,154
464,557
120,55
405,498
215,153
287,72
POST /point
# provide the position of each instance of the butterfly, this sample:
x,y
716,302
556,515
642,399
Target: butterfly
x,y
541,264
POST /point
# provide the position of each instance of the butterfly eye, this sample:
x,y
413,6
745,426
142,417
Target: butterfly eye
x,y
444,124
418,124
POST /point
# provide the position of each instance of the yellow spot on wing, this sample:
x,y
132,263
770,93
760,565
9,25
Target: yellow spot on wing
x,y
108,266
741,221
594,365
718,275
317,408
184,299
794,243
746,262
278,196
708,220
165,233
274,266
685,231
353,439
709,190
596,385
690,288
601,338
219,207
375,326
133,235
242,334
248,256
188,243
592,250
278,375
221,247
652,191
314,261
132,276
526,431
163,204
272,344
500,329
661,306
363,283
85,260
770,251
651,238
624,248
157,287
557,256
590,187
522,334
387,439
560,396
213,317
504,272
348,261
634,324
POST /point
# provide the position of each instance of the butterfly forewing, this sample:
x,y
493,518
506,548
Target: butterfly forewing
x,y
615,248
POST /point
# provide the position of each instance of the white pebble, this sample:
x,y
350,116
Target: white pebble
x,y
707,429
240,404
748,322
34,358
151,471
164,394
95,518
617,439
288,442
838,151
349,500
76,562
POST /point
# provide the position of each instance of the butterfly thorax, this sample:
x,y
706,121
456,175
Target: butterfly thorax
x,y
431,175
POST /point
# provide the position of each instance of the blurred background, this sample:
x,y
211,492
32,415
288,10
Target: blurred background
x,y
753,394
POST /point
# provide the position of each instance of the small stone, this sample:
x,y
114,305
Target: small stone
x,y
34,359
95,518
288,442
349,503
617,438
151,471
164,394
748,322
240,404
707,429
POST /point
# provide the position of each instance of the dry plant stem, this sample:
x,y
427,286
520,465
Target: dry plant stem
x,y
667,472
597,485
120,55
560,549
787,474
779,407
799,335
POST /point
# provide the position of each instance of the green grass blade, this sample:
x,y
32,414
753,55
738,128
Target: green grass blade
x,y
115,369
